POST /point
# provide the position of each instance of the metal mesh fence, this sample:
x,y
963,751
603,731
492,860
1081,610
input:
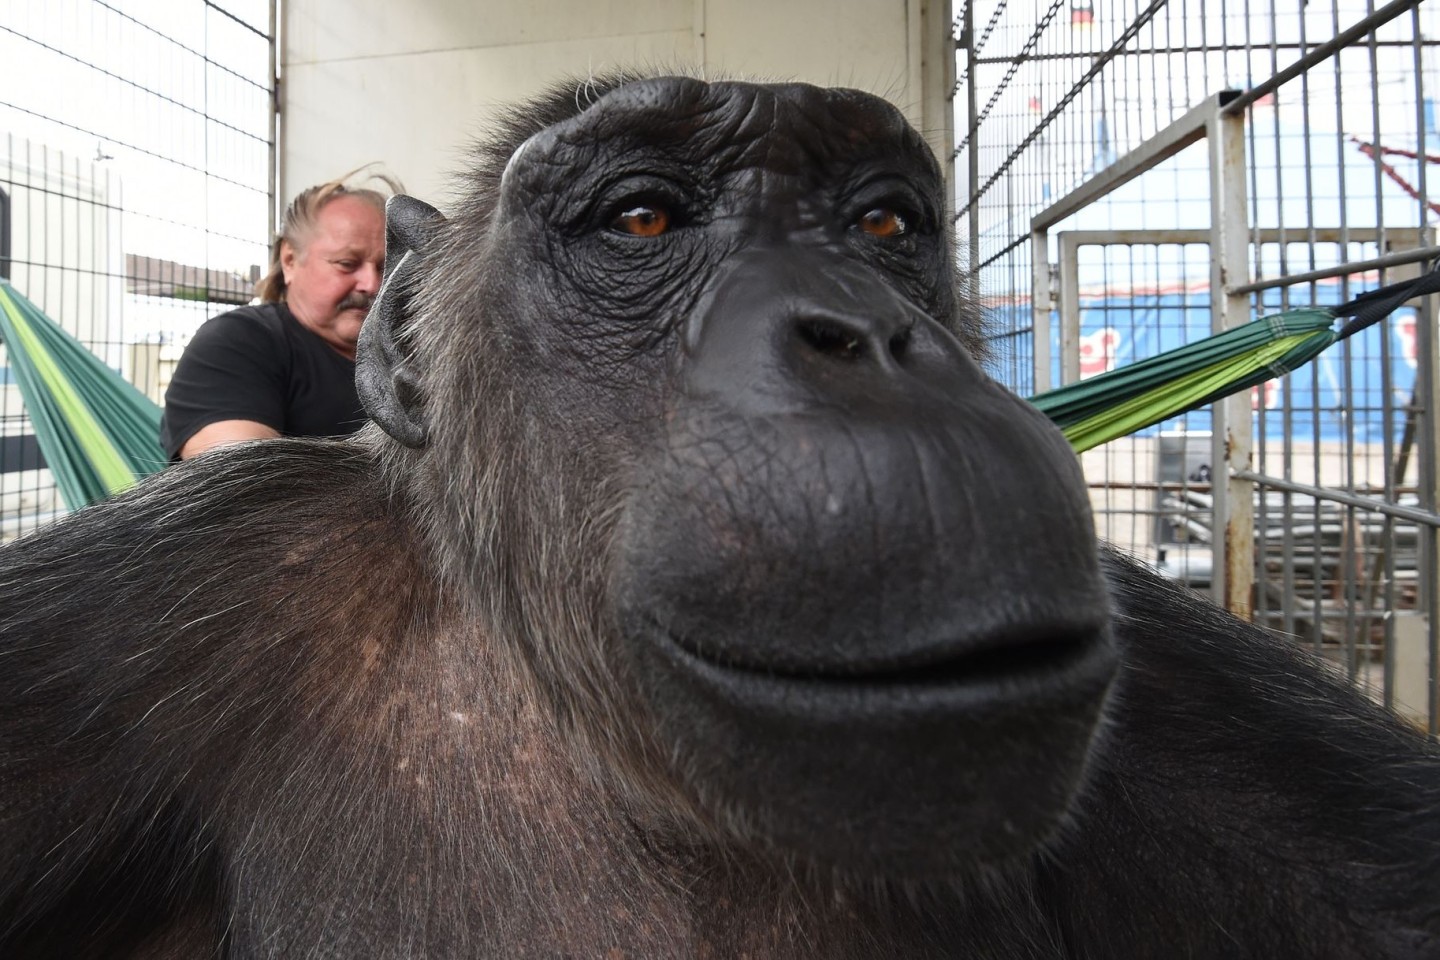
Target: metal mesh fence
x,y
1135,175
136,159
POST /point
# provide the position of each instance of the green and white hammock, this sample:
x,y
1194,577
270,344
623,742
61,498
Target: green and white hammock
x,y
98,433
1141,394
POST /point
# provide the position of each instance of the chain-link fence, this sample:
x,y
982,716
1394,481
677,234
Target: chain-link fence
x,y
1136,174
136,159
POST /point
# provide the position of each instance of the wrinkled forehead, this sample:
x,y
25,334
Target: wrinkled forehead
x,y
783,127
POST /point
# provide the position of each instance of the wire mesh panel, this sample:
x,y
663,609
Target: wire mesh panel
x,y
1088,179
136,152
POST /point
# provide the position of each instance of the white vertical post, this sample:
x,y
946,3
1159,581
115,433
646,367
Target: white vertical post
x,y
1233,579
1069,311
1040,298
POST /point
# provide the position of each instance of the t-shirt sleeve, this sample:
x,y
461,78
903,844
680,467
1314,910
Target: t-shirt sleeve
x,y
233,369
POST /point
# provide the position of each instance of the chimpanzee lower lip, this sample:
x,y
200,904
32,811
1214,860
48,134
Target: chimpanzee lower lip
x,y
1038,653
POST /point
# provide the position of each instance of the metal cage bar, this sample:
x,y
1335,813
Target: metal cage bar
x,y
1307,184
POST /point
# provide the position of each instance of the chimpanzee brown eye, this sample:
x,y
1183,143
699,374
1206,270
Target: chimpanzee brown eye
x,y
883,222
642,221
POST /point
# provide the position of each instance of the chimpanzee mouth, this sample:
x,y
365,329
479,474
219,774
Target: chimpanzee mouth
x,y
967,749
1038,657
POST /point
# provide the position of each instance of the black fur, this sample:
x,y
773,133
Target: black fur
x,y
365,698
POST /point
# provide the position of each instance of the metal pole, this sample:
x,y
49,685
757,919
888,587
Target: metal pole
x,y
1040,299
1428,398
1424,518
274,183
1069,312
1348,269
1323,52
972,139
1234,521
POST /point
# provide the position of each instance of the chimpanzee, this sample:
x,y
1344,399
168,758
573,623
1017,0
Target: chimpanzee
x,y
694,594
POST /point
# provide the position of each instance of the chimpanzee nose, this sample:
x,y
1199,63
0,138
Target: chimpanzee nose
x,y
849,339
784,329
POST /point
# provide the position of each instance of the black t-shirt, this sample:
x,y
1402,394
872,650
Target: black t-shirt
x,y
259,363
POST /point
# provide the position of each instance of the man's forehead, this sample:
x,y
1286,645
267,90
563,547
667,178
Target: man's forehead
x,y
349,223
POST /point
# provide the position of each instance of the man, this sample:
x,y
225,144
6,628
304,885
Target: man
x,y
286,367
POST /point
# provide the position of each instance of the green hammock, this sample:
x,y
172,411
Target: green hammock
x,y
1141,394
1120,402
97,432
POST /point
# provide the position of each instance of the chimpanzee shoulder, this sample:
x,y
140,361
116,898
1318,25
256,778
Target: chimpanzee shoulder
x,y
695,593
1244,791
163,641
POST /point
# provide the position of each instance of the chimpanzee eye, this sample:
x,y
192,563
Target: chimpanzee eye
x,y
883,222
642,220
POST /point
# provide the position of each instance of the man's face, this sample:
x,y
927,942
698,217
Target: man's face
x,y
332,280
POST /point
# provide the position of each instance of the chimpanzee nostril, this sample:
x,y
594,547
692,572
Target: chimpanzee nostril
x,y
789,328
900,344
832,338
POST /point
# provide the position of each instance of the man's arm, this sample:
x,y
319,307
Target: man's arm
x,y
223,432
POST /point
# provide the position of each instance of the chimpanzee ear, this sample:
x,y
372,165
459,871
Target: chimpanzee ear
x,y
385,374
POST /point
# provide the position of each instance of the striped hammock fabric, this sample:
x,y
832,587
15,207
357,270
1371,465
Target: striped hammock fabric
x,y
98,433
1141,394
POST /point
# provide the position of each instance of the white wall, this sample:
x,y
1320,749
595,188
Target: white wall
x,y
411,84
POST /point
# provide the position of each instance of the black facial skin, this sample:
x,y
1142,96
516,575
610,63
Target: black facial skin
x,y
811,455
695,594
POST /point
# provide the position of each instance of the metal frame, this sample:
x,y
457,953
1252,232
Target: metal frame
x,y
1223,128
1234,574
1047,108
1070,242
1221,125
4,234
1400,253
207,83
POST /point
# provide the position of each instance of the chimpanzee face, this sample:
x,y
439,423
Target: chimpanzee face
x,y
641,202
842,586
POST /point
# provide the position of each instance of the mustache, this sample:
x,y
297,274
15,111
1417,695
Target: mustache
x,y
356,300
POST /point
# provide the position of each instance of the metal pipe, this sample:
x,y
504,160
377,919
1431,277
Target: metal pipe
x,y
1370,504
1176,137
1040,309
1320,54
1343,270
1069,311
1233,578
274,164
